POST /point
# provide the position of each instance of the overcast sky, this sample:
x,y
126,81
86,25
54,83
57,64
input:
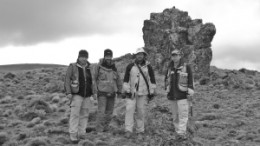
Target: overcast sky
x,y
53,31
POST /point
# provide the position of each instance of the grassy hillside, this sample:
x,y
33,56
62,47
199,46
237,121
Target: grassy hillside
x,y
18,67
226,111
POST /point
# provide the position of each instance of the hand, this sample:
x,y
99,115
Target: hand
x,y
128,95
119,95
94,96
69,96
166,85
190,92
150,96
168,89
122,96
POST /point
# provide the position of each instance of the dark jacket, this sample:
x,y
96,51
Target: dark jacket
x,y
175,93
84,79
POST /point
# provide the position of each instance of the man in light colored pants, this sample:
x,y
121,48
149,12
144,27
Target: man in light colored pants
x,y
180,113
179,85
139,86
78,88
139,104
80,108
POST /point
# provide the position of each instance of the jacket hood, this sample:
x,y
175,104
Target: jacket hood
x,y
103,64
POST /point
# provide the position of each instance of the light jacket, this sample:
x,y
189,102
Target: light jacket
x,y
83,76
133,77
101,75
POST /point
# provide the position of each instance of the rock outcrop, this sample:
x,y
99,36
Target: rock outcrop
x,y
174,29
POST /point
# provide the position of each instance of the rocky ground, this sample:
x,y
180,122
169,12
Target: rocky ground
x,y
226,111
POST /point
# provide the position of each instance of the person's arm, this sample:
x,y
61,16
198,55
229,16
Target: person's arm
x,y
94,79
126,84
91,83
68,80
190,80
119,82
152,79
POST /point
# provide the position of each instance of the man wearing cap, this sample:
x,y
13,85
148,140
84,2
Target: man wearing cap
x,y
179,85
107,84
78,88
138,75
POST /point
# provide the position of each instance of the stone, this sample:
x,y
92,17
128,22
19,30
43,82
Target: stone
x,y
36,120
3,137
9,76
174,29
56,99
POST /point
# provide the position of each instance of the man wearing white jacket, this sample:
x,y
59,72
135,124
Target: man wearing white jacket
x,y
139,85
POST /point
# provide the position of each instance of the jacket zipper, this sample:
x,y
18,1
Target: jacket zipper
x,y
84,73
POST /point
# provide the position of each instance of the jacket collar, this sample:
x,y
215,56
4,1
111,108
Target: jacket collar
x,y
179,66
144,63
107,67
87,65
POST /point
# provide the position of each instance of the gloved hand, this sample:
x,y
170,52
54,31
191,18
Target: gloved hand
x,y
123,96
190,92
69,96
119,95
128,95
94,96
150,97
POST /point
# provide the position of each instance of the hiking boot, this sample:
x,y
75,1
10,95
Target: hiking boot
x,y
90,129
181,137
128,134
74,137
74,141
107,128
82,136
140,136
99,128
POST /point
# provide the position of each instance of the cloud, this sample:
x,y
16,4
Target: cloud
x,y
32,23
237,56
29,22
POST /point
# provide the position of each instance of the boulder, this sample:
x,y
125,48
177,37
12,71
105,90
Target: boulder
x,y
9,76
3,137
174,29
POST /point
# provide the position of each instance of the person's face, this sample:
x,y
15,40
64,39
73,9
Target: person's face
x,y
83,60
176,57
108,58
140,56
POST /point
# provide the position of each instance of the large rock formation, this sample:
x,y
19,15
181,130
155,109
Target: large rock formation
x,y
174,28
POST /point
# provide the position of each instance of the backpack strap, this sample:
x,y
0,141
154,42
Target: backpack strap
x,y
74,70
98,70
144,78
184,69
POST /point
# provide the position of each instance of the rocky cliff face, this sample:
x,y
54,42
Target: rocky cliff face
x,y
174,29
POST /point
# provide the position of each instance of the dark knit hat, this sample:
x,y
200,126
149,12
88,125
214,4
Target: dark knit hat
x,y
83,53
108,52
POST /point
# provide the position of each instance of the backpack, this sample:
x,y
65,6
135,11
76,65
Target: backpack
x,y
106,80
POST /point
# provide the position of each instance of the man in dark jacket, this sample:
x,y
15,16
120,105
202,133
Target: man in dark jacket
x,y
78,88
107,84
179,84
